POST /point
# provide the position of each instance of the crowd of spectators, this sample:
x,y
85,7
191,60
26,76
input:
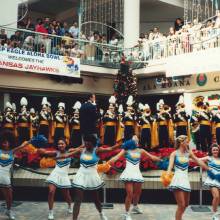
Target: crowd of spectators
x,y
180,39
151,45
65,43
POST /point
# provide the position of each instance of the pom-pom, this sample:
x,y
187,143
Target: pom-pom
x,y
163,164
129,145
39,141
166,178
103,168
47,163
30,149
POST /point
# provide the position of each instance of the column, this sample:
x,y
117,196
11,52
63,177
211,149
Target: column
x,y
9,13
131,22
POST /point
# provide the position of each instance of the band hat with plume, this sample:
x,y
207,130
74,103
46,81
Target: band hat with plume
x,y
146,106
161,102
8,105
23,101
77,105
112,100
141,106
44,101
61,105
180,101
130,101
32,110
120,109
13,106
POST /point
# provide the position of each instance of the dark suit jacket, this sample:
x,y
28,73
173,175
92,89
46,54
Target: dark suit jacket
x,y
88,118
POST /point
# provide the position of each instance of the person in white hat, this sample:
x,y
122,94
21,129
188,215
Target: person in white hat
x,y
110,123
129,119
163,118
74,123
181,118
9,118
34,120
23,122
60,121
145,120
44,119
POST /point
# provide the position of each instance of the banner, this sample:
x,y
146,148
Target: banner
x,y
205,61
30,61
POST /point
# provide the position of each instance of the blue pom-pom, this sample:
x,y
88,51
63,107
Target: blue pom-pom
x,y
163,165
39,141
211,175
129,145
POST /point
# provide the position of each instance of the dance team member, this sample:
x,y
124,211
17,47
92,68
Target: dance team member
x,y
59,176
213,178
7,152
131,175
179,160
87,177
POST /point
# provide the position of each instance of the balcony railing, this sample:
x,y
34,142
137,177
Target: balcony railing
x,y
164,47
106,55
91,53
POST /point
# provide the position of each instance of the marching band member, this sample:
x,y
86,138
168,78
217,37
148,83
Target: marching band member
x,y
194,120
23,122
164,123
61,124
9,118
205,127
216,120
145,121
110,123
179,160
129,120
181,118
44,118
131,175
34,120
75,138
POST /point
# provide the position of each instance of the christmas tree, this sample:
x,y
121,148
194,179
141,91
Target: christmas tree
x,y
125,83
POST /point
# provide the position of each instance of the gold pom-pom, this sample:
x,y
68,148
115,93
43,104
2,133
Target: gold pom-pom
x,y
47,163
103,168
30,149
166,178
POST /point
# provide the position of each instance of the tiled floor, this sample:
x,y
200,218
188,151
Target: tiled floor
x,y
39,211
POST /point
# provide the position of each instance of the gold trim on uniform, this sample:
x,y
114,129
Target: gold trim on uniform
x,y
76,127
23,124
110,123
8,125
181,123
129,123
60,125
145,126
204,122
44,122
163,123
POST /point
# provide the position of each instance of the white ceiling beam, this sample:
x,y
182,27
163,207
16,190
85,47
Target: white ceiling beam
x,y
178,3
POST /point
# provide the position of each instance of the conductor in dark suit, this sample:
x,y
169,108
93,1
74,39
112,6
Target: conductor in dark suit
x,y
88,116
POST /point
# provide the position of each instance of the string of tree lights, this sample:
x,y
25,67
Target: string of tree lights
x,y
104,16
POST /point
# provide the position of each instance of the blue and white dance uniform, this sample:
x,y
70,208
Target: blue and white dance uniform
x,y
6,161
215,165
87,177
132,171
180,179
59,176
